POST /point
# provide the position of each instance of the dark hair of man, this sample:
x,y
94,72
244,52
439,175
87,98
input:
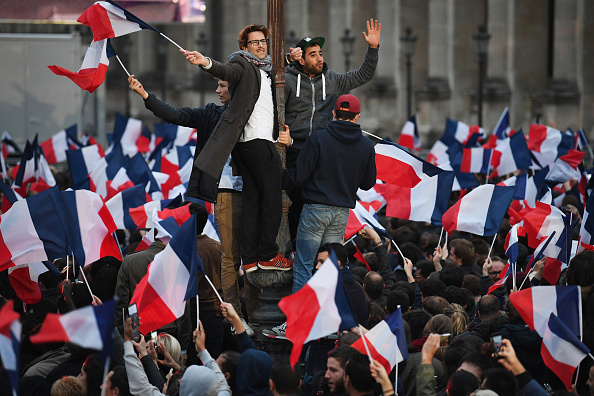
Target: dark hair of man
x,y
417,320
339,250
229,365
461,383
426,267
357,369
376,315
374,285
455,295
500,381
411,251
473,284
94,370
458,349
435,305
243,35
119,379
479,360
581,269
347,338
201,216
342,354
396,298
173,384
345,115
464,250
452,275
407,288
489,307
286,381
432,287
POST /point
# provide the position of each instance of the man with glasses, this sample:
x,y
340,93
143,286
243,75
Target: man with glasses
x,y
491,270
248,129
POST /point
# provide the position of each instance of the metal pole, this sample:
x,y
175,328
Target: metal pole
x,y
480,88
409,85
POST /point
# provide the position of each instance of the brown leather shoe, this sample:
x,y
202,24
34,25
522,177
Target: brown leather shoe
x,y
277,263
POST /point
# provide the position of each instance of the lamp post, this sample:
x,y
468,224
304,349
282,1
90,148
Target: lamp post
x,y
408,47
481,39
202,42
347,41
162,51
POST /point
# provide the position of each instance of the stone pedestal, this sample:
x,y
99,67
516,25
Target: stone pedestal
x,y
275,285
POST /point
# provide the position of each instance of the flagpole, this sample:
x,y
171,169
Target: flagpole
x,y
489,167
513,276
492,243
197,313
440,235
214,288
123,67
372,135
397,248
365,343
105,371
88,287
445,244
173,42
67,264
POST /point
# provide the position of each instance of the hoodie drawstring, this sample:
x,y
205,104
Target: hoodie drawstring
x,y
298,85
323,87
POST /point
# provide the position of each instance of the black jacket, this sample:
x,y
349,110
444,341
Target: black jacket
x,y
333,164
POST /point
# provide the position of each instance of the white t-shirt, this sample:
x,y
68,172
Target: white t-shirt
x,y
260,125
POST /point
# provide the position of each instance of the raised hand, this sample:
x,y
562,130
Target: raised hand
x,y
373,33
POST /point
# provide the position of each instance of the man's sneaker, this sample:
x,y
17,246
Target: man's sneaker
x,y
250,267
249,331
277,263
276,332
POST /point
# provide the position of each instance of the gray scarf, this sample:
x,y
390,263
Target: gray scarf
x,y
264,64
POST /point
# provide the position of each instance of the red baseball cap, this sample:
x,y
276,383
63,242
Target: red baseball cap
x,y
348,103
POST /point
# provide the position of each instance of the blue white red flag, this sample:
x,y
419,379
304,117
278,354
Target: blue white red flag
x,y
561,350
537,303
566,167
465,134
397,166
142,216
319,308
54,149
427,201
126,132
10,344
33,167
585,241
29,232
9,146
530,188
119,206
373,196
386,341
510,154
172,278
107,19
93,69
88,226
581,141
547,143
474,160
505,273
24,280
82,162
359,218
10,197
409,136
89,327
502,128
480,211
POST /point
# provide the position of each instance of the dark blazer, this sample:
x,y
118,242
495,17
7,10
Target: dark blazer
x,y
244,86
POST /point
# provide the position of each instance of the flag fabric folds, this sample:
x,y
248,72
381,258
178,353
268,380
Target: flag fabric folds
x,y
319,308
107,19
88,327
585,240
409,136
561,350
480,211
54,149
386,341
536,304
23,279
396,166
119,206
510,154
10,344
172,278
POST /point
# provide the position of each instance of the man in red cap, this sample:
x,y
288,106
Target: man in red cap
x,y
333,164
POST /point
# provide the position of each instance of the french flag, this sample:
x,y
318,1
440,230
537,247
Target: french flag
x,y
585,241
512,251
319,308
529,188
54,149
467,135
374,196
540,222
475,160
480,211
359,218
10,197
439,153
561,350
82,162
33,167
88,225
10,344
105,170
427,201
396,166
386,341
126,132
581,140
89,327
146,241
505,273
119,206
537,303
142,215
547,143
29,232
172,278
566,167
107,20
23,279
502,128
93,69
147,141
9,146
409,136
510,154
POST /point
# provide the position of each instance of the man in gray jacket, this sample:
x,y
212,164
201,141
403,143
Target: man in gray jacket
x,y
311,91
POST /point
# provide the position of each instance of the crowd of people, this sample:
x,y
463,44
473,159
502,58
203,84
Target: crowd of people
x,y
441,288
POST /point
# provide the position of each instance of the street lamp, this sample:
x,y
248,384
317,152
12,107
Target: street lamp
x,y
202,42
347,47
481,39
408,47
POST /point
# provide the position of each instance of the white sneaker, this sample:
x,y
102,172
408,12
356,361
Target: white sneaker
x,y
249,331
276,332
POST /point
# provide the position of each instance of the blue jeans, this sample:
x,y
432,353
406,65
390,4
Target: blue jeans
x,y
318,224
